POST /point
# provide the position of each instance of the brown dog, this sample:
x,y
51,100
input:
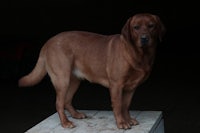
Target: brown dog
x,y
119,62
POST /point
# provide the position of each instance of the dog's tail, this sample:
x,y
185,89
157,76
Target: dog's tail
x,y
35,76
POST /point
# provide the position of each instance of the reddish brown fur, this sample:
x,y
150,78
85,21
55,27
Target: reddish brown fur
x,y
119,62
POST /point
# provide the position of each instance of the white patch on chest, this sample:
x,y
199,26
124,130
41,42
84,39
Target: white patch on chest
x,y
78,73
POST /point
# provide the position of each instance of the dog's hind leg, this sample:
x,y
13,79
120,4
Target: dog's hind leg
x,y
74,84
61,87
59,68
61,84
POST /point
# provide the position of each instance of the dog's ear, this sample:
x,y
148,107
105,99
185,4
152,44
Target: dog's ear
x,y
161,28
126,31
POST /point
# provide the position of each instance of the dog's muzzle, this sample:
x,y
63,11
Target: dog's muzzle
x,y
144,39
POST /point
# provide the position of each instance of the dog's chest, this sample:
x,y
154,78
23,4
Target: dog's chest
x,y
135,77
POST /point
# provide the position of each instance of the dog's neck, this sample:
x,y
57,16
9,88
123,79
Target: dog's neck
x,y
138,57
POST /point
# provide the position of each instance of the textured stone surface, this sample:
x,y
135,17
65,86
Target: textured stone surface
x,y
102,122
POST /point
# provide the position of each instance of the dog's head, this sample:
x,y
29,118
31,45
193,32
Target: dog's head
x,y
143,29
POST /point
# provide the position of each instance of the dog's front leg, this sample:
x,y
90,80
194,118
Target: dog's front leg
x,y
116,99
127,98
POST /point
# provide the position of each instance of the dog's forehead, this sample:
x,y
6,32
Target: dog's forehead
x,y
143,18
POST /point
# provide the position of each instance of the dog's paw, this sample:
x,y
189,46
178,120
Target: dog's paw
x,y
133,122
78,115
68,124
124,125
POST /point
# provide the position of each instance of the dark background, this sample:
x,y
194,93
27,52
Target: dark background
x,y
173,86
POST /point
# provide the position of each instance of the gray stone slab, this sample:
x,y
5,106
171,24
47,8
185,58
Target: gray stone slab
x,y
102,122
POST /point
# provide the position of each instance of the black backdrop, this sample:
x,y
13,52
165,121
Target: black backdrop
x,y
172,87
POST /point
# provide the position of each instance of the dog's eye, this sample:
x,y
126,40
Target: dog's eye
x,y
136,27
150,26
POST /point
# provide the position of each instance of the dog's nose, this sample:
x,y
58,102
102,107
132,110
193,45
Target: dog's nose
x,y
144,39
